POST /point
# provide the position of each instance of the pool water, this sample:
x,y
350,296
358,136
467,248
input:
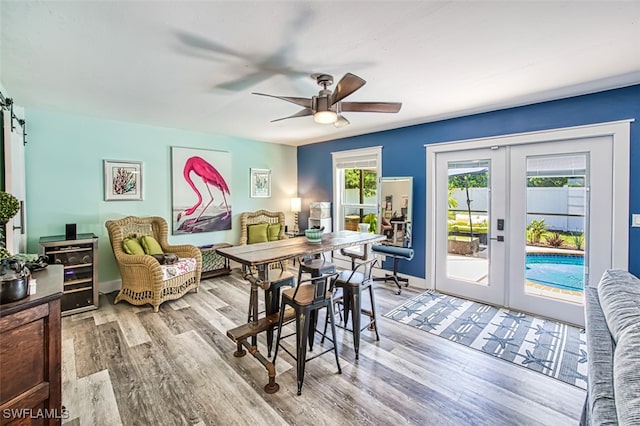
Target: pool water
x,y
556,270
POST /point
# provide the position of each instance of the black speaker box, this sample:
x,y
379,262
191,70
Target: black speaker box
x,y
70,231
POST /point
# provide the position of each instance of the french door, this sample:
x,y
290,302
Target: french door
x,y
526,225
468,262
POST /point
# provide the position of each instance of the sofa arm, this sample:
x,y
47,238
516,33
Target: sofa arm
x,y
601,406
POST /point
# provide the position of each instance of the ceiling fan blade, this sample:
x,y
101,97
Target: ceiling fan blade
x,y
346,86
244,82
302,113
371,106
341,121
303,102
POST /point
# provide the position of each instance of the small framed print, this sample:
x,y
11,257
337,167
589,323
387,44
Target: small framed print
x,y
122,180
260,183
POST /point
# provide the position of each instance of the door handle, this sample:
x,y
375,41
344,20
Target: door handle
x,y
498,238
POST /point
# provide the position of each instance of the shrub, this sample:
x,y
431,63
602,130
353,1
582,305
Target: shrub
x,y
535,230
578,240
554,240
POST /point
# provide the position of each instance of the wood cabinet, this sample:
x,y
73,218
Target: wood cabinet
x,y
30,354
79,258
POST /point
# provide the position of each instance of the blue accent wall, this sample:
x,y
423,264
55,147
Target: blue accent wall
x,y
403,152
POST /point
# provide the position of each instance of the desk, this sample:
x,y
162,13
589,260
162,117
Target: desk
x,y
260,256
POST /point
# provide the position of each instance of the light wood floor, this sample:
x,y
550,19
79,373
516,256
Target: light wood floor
x,y
124,364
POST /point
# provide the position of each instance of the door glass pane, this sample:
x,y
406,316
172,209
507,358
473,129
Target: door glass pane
x,y
555,234
468,221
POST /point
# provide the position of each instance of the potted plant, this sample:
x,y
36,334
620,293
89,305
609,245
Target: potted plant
x,y
13,273
9,206
14,281
372,220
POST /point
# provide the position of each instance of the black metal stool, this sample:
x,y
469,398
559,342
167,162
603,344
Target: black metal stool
x,y
278,278
316,266
352,284
307,298
396,253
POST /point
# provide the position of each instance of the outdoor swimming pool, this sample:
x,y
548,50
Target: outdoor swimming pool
x,y
556,270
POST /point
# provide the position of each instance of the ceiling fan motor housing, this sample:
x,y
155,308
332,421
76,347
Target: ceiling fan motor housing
x,y
322,102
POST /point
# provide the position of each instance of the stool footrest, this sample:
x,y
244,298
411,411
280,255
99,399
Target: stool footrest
x,y
252,329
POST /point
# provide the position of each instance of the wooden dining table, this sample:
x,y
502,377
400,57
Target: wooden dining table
x,y
258,257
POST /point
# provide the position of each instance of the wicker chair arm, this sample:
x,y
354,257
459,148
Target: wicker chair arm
x,y
145,260
183,250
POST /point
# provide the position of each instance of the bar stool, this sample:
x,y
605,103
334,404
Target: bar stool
x,y
352,284
316,266
396,253
277,279
306,299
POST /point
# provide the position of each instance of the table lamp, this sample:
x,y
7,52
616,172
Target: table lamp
x,y
296,207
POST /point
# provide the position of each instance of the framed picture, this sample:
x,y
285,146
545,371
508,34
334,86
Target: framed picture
x,y
201,182
122,180
260,183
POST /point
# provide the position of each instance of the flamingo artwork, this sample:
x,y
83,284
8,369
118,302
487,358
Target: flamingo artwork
x,y
211,177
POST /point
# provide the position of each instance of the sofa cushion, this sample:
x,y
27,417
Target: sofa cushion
x,y
132,246
273,231
619,294
150,245
626,376
257,233
181,267
600,404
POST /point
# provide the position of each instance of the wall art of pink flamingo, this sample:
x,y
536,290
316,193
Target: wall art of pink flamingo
x,y
211,177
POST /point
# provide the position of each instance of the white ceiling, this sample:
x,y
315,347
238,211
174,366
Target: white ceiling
x,y
193,65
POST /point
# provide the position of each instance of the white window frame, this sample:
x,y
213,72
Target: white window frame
x,y
364,158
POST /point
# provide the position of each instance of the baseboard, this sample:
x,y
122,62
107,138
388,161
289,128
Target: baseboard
x,y
109,286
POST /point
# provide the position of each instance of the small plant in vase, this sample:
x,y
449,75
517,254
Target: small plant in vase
x,y
9,206
13,273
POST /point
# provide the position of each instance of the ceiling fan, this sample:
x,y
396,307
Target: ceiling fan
x,y
327,107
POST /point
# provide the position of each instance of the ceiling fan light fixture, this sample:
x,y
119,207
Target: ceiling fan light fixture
x,y
325,117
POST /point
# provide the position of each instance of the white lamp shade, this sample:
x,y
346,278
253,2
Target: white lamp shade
x,y
296,205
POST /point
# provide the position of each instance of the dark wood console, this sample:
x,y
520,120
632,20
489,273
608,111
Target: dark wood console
x,y
30,354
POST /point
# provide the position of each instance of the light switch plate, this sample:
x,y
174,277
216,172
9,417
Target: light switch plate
x,y
635,220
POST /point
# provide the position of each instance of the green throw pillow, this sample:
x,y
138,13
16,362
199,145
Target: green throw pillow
x,y
150,245
258,233
132,246
273,231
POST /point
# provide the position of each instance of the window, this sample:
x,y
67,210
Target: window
x,y
356,180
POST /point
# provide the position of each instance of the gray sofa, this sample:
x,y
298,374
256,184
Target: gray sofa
x,y
613,350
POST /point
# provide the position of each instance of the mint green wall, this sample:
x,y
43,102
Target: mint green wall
x,y
65,153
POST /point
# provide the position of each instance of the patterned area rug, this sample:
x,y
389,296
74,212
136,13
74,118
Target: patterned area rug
x,y
548,347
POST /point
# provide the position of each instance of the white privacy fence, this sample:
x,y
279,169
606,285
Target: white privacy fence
x,y
563,209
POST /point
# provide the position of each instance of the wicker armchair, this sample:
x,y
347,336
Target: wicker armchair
x,y
142,275
262,216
